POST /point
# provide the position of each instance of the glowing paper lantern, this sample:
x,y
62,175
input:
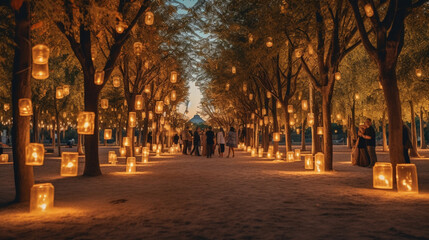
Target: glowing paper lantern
x,y
319,130
252,116
298,131
227,86
40,71
113,159
69,163
132,119
146,89
292,121
290,108
107,134
120,27
297,154
233,70
309,164
244,87
6,107
137,150
40,54
310,49
278,104
269,154
143,115
122,151
85,123
126,141
250,37
149,18
173,77
253,152
276,137
150,115
419,72
290,156
319,162
382,175
310,119
261,152
4,158
66,90
266,120
116,81
25,107
34,154
138,48
406,178
145,155
337,76
173,95
41,197
138,105
249,149
357,97
269,42
250,96
264,111
304,105
279,155
104,103
298,52
99,77
159,107
261,122
269,94
368,10
131,165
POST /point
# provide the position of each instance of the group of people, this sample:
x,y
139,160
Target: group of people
x,y
207,141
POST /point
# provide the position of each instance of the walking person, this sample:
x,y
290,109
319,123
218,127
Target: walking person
x,y
369,136
184,137
363,156
406,142
220,140
196,142
210,142
231,141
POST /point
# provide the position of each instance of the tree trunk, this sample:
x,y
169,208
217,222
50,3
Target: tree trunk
x,y
266,139
327,133
422,131
275,124
315,139
21,88
383,122
413,150
303,128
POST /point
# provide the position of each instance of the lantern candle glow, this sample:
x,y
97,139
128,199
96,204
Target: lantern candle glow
x,y
25,107
297,154
104,103
173,76
276,137
131,165
159,107
145,155
309,164
99,77
382,174
41,197
290,156
149,18
107,134
40,54
138,48
319,162
132,122
261,152
85,123
34,154
113,159
59,93
4,158
69,163
406,178
40,71
122,151
126,141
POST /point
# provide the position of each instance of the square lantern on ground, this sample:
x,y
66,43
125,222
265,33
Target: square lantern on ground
x,y
107,134
85,123
382,175
113,159
249,149
309,163
406,178
4,158
137,150
253,153
41,197
145,155
297,154
319,162
25,107
131,165
290,156
34,154
122,151
261,152
69,164
279,155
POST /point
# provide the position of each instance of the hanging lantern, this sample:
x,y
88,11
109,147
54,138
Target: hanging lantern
x,y
66,90
261,122
113,159
227,86
310,49
85,123
153,126
137,150
34,154
41,197
406,178
145,155
298,52
40,71
146,64
159,107
69,163
304,105
250,96
122,151
116,81
320,131
59,94
337,76
261,152
120,27
269,42
266,120
126,141
6,107
269,94
297,154
252,116
25,107
292,122
107,134
264,111
150,115
233,70
357,97
310,119
104,103
149,18
382,174
147,89
290,108
40,54
298,131
368,10
278,104
138,48
308,158
419,72
244,87
173,77
138,104
250,37
319,162
4,158
276,136
162,120
143,115
99,77
173,95
131,165
132,119
167,100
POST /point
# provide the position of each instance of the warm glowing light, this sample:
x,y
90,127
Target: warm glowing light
x,y
113,159
244,87
6,107
122,151
276,136
319,130
250,96
147,89
85,123
266,120
4,158
269,95
278,104
298,52
357,97
116,80
131,165
107,134
66,90
159,107
269,42
173,76
264,111
138,48
253,152
419,72
25,107
137,150
126,141
406,178
40,54
292,122
250,37
41,197
310,49
261,152
104,103
120,27
368,10
382,173
34,154
227,86
290,156
319,162
173,95
310,119
297,154
145,155
337,76
308,158
149,18
40,71
290,108
99,77
279,155
69,163
233,70
132,119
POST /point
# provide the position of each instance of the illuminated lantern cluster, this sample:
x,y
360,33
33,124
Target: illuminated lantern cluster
x,y
25,107
149,18
406,178
4,158
85,123
308,159
319,162
107,134
131,165
104,103
99,77
113,159
138,103
34,154
382,175
40,68
69,164
41,197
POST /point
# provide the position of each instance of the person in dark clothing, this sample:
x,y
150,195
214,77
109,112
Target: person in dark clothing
x,y
369,136
406,142
210,142
196,142
176,139
363,156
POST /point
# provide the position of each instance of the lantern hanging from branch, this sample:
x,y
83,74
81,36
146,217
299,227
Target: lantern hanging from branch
x,y
6,107
120,27
227,86
99,77
419,72
150,115
34,154
292,122
66,90
269,42
310,119
122,151
162,120
113,159
107,134
40,54
85,123
116,81
149,18
382,175
278,104
276,136
264,111
250,96
252,116
69,163
173,95
132,119
233,70
266,120
41,197
159,107
406,178
368,10
298,131
167,100
250,37
244,87
310,49
298,52
59,94
337,76
320,131
25,107
173,76
104,103
138,105
147,89
40,71
261,122
269,94
290,108
131,165
319,162
143,115
138,48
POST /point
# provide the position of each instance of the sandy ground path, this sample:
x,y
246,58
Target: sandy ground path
x,y
184,197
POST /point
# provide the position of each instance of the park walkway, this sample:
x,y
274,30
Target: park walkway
x,y
188,197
